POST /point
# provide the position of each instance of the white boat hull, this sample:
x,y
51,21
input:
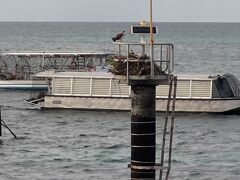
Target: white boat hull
x,y
124,104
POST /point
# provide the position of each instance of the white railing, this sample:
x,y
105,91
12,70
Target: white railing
x,y
110,87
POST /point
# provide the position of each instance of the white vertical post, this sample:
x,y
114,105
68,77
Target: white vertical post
x,y
190,87
211,89
91,86
72,81
110,88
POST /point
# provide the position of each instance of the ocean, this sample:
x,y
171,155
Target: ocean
x,y
73,145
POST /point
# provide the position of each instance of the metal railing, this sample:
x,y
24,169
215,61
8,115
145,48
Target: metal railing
x,y
163,60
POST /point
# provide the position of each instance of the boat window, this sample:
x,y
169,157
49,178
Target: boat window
x,y
223,88
233,83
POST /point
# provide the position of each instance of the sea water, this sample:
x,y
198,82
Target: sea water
x,y
72,144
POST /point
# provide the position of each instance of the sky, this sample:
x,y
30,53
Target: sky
x,y
120,10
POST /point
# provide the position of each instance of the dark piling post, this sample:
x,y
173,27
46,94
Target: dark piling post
x,y
143,129
143,74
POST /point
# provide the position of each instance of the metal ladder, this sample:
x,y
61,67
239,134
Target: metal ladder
x,y
168,123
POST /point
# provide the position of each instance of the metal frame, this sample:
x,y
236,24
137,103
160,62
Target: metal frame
x,y
29,63
164,50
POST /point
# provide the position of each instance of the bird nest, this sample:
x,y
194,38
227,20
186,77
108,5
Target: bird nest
x,y
140,66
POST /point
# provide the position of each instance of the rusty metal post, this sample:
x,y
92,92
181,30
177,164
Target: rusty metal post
x,y
143,130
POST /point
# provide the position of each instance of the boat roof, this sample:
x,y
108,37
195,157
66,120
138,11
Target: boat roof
x,y
53,73
197,76
33,53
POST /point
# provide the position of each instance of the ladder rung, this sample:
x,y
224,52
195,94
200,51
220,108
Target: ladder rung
x,y
162,167
170,116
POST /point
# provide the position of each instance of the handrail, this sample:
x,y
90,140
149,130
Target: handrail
x,y
163,56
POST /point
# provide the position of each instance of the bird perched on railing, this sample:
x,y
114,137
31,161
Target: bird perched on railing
x,y
118,36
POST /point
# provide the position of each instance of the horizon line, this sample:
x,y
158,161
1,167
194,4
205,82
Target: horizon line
x,y
117,21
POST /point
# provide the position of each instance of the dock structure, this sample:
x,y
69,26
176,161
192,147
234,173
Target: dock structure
x,y
135,68
23,65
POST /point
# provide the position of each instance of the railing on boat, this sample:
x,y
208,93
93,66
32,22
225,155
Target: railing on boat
x,y
23,65
108,86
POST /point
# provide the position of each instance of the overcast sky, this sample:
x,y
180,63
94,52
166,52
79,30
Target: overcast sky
x,y
120,10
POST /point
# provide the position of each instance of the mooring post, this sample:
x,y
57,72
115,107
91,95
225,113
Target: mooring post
x,y
143,129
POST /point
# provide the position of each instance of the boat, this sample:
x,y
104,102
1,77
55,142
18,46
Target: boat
x,y
103,91
106,87
17,69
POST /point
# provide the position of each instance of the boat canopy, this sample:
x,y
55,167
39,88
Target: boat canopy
x,y
226,86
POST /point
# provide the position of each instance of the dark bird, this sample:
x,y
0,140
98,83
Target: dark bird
x,y
118,36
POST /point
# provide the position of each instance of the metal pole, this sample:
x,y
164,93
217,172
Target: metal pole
x,y
151,42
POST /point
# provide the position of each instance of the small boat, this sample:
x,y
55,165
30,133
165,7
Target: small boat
x,y
102,91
